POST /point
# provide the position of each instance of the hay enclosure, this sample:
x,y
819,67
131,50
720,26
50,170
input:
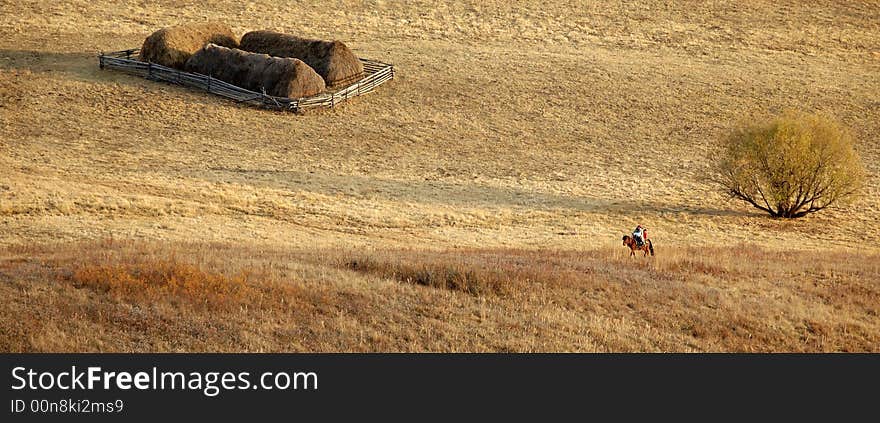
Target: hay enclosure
x,y
375,74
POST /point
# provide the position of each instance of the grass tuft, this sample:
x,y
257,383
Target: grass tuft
x,y
474,280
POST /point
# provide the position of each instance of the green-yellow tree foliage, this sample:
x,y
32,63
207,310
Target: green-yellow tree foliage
x,y
792,165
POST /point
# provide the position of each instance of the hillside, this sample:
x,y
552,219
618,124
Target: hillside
x,y
508,127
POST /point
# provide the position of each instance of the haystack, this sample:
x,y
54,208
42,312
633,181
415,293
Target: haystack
x,y
173,46
279,76
331,59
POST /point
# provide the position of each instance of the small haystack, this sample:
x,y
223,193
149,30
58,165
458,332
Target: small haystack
x,y
174,45
279,76
331,59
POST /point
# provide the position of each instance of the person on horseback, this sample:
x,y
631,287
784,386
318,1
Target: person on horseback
x,y
640,235
639,242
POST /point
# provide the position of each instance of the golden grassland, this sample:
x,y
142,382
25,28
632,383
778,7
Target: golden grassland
x,y
127,296
508,125
476,202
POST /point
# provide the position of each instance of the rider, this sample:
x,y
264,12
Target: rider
x,y
640,234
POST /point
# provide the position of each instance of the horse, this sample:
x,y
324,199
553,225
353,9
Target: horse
x,y
630,242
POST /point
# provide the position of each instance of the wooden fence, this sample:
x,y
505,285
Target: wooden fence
x,y
375,74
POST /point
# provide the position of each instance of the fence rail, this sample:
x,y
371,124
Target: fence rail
x,y
375,74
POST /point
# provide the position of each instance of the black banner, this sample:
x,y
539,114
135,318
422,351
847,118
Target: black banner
x,y
331,387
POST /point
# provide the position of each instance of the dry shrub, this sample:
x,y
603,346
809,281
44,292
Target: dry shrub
x,y
689,267
173,46
163,280
280,77
333,60
186,280
437,273
476,272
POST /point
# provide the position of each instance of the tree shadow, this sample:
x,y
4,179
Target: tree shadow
x,y
451,193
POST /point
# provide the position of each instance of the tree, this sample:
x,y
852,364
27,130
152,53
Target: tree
x,y
792,165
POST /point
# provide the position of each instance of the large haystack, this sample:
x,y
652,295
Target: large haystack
x,y
279,76
173,46
331,59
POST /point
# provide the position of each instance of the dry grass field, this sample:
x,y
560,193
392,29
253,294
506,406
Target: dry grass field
x,y
474,203
127,296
